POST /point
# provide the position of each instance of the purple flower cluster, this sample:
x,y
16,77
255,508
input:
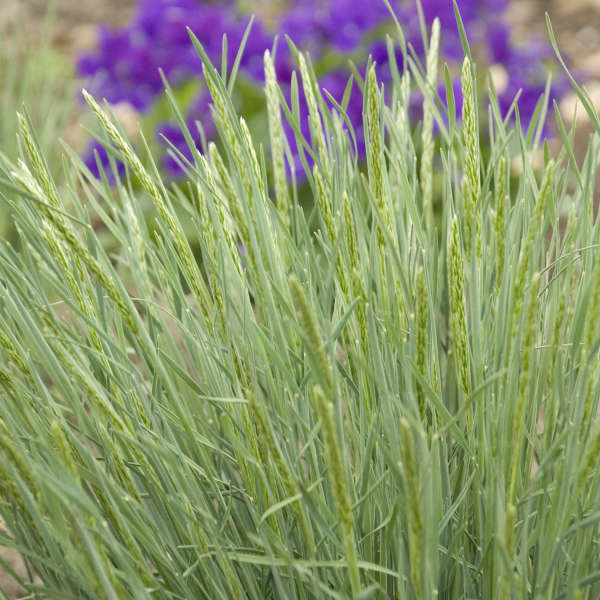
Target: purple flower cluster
x,y
125,67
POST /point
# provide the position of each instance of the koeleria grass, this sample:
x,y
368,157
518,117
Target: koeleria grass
x,y
388,392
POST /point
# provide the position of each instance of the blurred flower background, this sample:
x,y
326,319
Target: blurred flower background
x,y
117,48
123,67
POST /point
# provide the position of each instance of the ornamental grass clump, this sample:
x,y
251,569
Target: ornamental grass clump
x,y
390,392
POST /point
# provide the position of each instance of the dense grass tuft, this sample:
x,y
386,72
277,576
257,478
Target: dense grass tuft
x,y
390,392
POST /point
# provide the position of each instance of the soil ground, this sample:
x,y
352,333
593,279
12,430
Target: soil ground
x,y
576,24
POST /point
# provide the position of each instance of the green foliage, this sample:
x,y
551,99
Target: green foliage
x,y
364,401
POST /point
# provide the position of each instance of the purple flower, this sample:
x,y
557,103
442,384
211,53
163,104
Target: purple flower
x,y
500,49
127,62
348,21
334,83
126,65
170,134
96,159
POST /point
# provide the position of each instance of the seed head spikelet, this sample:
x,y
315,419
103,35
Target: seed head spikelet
x,y
63,228
64,447
230,135
225,220
14,455
501,200
375,157
323,197
314,341
534,230
256,171
129,155
471,181
9,493
337,476
6,380
237,212
270,245
351,240
323,193
314,116
375,169
276,136
356,279
427,128
458,320
422,319
83,300
137,239
190,266
14,353
402,119
211,239
38,164
414,518
524,382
